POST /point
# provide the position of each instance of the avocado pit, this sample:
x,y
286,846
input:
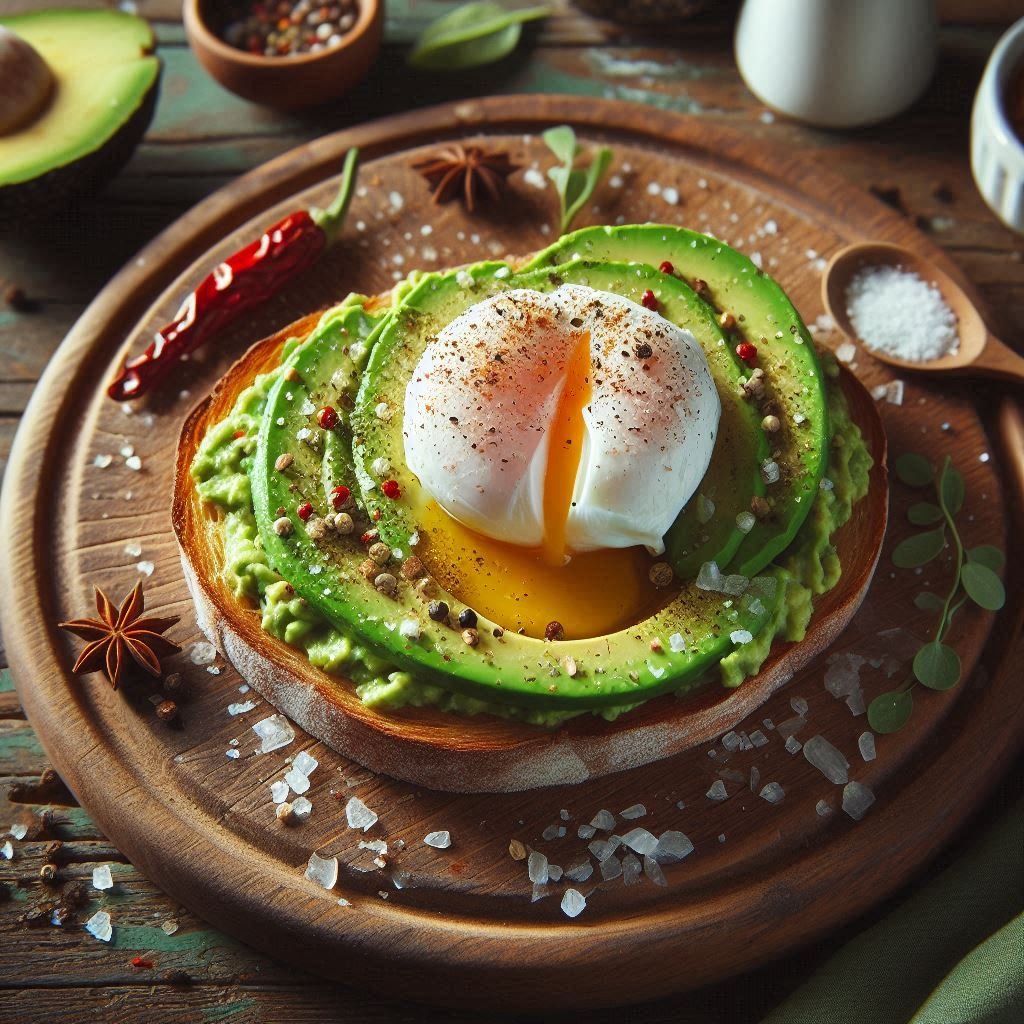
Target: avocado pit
x,y
26,82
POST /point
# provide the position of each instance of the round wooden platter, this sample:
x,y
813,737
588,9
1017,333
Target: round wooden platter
x,y
460,925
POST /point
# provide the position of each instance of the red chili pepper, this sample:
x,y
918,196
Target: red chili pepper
x,y
242,282
649,300
746,352
138,961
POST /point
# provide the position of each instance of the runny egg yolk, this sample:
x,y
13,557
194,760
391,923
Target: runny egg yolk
x,y
590,594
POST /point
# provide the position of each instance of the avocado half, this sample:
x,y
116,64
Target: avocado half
x,y
99,105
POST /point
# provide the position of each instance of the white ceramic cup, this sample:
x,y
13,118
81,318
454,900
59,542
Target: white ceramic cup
x,y
997,153
837,63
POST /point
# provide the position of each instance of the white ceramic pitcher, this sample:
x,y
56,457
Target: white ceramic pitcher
x,y
837,63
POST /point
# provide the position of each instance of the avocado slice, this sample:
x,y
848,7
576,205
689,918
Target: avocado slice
x,y
731,283
101,102
695,628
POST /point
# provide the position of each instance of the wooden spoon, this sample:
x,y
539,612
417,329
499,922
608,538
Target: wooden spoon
x,y
980,352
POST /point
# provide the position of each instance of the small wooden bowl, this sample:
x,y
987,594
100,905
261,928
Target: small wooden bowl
x,y
302,80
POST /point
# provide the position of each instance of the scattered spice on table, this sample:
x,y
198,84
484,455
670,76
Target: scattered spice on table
x,y
285,29
897,312
121,636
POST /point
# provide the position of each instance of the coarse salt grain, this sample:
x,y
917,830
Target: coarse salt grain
x,y
633,811
203,653
896,312
279,791
359,815
101,877
438,840
322,870
573,903
274,732
7,851
19,831
242,708
99,926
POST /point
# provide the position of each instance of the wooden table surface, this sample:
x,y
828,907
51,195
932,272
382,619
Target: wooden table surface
x,y
203,137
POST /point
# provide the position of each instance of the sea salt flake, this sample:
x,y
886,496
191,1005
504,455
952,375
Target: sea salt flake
x,y
7,851
640,840
652,869
633,811
99,926
770,472
101,877
741,636
305,763
554,872
855,702
102,461
585,832
573,903
358,815
842,675
603,820
344,902
677,643
773,793
279,791
298,782
145,568
755,778
214,670
631,869
602,849
670,195
540,891
19,830
827,759
438,840
731,740
672,846
791,726
410,629
232,753
579,872
274,732
717,790
758,738
823,808
203,653
610,868
134,463
857,798
533,177
793,745
551,832
866,745
170,926
537,867
241,709
322,870
799,705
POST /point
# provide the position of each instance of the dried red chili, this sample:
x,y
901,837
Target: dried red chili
x,y
243,281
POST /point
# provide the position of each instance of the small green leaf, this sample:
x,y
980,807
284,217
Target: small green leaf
x,y
929,602
889,712
983,586
987,555
914,470
924,513
561,140
919,549
937,666
602,158
470,36
951,488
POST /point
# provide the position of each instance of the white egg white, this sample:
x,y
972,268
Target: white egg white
x,y
480,404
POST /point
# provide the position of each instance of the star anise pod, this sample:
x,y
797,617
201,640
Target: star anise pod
x,y
465,172
119,634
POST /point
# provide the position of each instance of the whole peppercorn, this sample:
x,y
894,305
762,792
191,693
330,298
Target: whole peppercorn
x,y
317,529
470,637
661,574
283,527
172,681
554,631
438,611
771,424
379,552
413,568
167,711
344,523
643,350
283,461
699,285
369,569
467,618
727,320
386,583
760,507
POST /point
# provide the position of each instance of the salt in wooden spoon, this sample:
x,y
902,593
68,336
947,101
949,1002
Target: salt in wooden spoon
x,y
980,352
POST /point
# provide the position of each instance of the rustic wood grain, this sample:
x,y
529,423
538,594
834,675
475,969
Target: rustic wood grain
x,y
219,811
206,138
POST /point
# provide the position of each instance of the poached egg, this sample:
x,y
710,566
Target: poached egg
x,y
571,421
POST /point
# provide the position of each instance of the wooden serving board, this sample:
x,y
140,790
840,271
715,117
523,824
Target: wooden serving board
x,y
459,926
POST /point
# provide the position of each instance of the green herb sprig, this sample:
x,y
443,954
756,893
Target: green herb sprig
x,y
575,185
937,665
470,36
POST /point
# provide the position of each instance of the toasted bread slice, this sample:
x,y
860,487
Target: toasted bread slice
x,y
484,753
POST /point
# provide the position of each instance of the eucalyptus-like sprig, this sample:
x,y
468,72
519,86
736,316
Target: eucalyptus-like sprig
x,y
471,35
575,185
936,664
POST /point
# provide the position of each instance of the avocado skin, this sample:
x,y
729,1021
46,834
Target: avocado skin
x,y
26,202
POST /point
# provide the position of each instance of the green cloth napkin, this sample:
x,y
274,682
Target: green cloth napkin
x,y
952,953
